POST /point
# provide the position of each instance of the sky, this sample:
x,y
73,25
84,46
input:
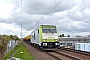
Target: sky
x,y
72,17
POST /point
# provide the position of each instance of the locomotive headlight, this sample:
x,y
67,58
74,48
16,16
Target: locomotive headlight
x,y
56,40
56,43
44,40
44,44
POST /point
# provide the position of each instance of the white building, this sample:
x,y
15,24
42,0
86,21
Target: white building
x,y
70,41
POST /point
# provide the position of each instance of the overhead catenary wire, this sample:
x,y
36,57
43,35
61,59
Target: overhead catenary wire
x,y
72,12
46,11
49,7
52,9
43,14
49,11
84,5
77,9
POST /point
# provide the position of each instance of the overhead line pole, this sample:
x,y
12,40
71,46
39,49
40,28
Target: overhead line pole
x,y
21,20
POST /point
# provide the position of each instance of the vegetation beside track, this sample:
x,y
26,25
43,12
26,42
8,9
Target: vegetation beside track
x,y
4,39
10,53
23,53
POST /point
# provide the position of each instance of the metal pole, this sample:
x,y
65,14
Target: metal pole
x,y
21,19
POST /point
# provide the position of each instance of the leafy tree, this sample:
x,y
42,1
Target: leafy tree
x,y
60,36
68,36
16,37
11,36
63,35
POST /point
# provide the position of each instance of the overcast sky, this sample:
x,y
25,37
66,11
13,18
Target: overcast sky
x,y
72,17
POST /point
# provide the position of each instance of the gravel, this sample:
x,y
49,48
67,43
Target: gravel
x,y
37,54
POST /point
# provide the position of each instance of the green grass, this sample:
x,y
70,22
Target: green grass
x,y
25,55
10,53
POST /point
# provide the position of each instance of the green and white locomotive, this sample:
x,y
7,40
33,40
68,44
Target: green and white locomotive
x,y
45,37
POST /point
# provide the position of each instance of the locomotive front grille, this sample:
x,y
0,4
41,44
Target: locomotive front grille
x,y
49,44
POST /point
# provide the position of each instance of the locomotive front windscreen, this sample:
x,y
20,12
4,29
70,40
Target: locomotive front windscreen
x,y
49,30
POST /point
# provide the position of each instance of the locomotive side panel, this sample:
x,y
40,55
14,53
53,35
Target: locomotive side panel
x,y
35,37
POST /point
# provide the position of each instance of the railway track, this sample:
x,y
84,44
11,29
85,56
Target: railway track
x,y
61,56
77,51
57,56
37,53
79,54
51,54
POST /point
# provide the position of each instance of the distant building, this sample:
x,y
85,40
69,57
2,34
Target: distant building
x,y
70,41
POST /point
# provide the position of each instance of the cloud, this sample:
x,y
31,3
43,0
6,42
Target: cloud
x,y
33,15
5,9
40,7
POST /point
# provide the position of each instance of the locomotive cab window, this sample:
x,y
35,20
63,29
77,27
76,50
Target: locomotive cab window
x,y
50,30
38,30
34,35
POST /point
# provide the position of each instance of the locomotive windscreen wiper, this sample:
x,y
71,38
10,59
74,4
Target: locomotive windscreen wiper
x,y
49,30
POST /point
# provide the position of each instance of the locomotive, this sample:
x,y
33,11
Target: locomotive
x,y
45,37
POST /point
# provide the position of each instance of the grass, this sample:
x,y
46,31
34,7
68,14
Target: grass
x,y
25,55
10,53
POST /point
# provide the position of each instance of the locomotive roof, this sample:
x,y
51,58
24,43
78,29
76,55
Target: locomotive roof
x,y
42,25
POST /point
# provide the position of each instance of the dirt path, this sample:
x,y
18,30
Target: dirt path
x,y
13,55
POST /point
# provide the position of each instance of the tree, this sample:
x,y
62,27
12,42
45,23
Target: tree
x,y
16,37
63,35
11,36
60,36
68,36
